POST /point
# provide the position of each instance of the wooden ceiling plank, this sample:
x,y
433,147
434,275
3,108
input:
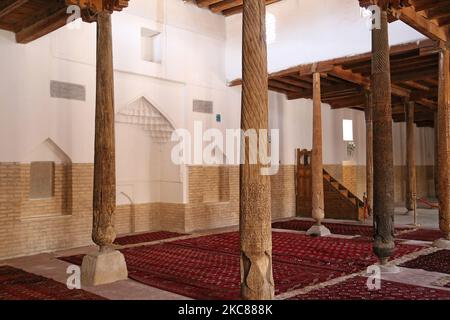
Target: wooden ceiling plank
x,y
41,27
9,6
409,16
225,5
421,5
205,3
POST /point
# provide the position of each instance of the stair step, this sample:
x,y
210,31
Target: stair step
x,y
344,192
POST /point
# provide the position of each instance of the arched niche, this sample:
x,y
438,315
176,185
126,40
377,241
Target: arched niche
x,y
48,170
143,113
145,172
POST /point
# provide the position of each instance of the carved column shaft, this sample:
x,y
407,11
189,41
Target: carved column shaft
x,y
436,154
255,200
318,212
104,200
383,164
369,151
410,157
444,136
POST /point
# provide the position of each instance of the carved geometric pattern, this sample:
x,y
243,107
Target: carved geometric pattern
x,y
142,113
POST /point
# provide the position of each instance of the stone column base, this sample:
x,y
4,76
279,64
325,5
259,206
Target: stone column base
x,y
103,268
318,231
442,243
388,268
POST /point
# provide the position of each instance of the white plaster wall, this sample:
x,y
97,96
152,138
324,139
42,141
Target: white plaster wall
x,y
424,145
319,30
294,120
201,51
309,30
193,66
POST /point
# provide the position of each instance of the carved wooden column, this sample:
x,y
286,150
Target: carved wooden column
x,y
444,136
369,150
318,205
104,203
107,265
411,188
383,164
436,154
255,200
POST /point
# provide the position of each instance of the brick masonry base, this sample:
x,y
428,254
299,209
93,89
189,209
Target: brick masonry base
x,y
65,220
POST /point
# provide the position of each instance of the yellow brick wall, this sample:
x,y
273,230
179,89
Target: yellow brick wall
x,y
61,201
335,170
283,192
349,178
211,181
213,197
33,226
425,182
354,178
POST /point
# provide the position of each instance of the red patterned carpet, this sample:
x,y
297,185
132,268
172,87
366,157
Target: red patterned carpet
x,y
422,235
208,267
438,261
16,284
356,289
346,255
335,228
147,237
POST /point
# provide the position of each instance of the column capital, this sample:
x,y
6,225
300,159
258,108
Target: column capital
x,y
388,4
444,46
90,8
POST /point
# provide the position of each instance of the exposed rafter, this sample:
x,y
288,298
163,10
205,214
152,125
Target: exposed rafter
x,y
32,19
430,17
344,80
225,7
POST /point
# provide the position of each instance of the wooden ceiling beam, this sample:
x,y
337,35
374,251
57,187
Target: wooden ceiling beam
x,y
206,3
438,11
224,7
421,5
42,26
412,13
416,85
9,6
52,15
417,21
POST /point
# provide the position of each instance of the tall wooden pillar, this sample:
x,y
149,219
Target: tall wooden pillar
x,y
255,200
318,212
444,136
107,265
436,154
104,204
383,164
369,151
411,188
318,205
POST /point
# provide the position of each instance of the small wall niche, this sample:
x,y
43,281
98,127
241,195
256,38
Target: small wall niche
x,y
42,174
151,45
47,189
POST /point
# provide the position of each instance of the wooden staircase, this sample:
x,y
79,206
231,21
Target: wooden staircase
x,y
340,203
